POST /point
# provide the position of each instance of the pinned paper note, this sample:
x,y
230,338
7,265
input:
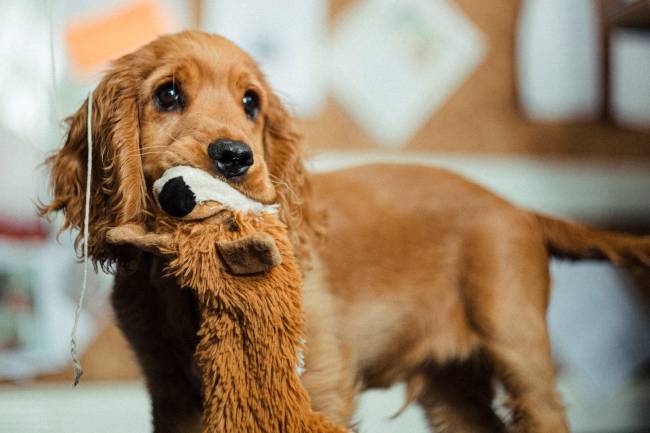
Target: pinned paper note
x,y
558,60
396,62
106,33
630,54
286,37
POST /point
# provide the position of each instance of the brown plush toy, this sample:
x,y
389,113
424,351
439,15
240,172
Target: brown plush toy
x,y
236,256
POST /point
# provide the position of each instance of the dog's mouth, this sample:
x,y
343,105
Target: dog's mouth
x,y
244,182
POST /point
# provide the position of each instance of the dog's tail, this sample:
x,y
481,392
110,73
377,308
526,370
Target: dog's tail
x,y
576,241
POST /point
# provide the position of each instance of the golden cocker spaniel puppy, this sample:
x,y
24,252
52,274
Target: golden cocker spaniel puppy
x,y
422,276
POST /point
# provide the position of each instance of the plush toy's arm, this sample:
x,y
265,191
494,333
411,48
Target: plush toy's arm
x,y
137,236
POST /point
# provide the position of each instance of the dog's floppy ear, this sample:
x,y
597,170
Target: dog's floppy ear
x,y
118,192
285,159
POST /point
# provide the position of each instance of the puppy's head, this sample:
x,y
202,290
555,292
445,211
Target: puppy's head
x,y
188,99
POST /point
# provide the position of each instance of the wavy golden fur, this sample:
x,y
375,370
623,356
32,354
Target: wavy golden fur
x,y
118,192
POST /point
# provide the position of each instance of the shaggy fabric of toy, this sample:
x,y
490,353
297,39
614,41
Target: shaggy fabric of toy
x,y
251,329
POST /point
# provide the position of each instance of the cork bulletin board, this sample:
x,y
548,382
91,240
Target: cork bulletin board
x,y
482,115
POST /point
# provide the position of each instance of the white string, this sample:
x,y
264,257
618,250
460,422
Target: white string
x,y
78,371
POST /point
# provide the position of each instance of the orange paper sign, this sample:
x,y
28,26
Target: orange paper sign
x,y
95,40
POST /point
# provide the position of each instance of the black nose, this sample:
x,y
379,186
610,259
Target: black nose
x,y
231,158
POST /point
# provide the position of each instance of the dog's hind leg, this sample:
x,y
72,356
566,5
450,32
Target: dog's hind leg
x,y
529,378
457,398
506,292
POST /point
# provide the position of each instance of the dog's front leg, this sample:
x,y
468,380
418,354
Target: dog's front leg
x,y
158,321
329,376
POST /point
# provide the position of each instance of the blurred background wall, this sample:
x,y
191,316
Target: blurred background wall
x,y
544,101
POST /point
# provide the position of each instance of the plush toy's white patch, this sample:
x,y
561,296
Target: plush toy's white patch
x,y
208,188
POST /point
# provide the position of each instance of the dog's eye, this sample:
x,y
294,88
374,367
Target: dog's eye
x,y
251,103
168,97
